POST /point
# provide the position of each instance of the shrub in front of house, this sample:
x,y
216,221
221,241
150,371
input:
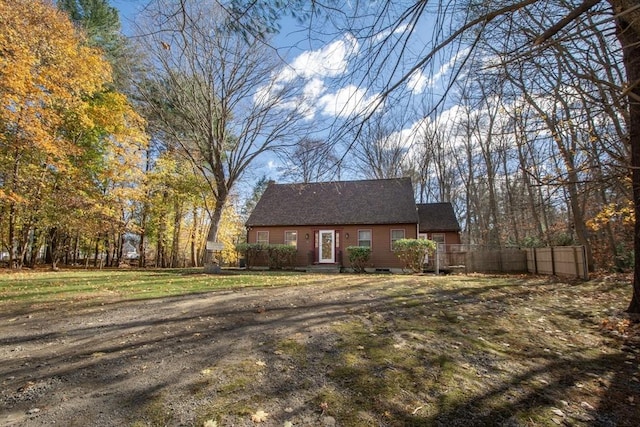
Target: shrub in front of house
x,y
250,252
412,252
280,256
359,257
276,256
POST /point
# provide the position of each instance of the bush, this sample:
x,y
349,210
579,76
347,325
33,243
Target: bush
x,y
532,242
563,239
251,252
280,255
359,257
413,251
277,256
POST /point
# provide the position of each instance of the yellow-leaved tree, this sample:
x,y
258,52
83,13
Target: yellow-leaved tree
x,y
67,142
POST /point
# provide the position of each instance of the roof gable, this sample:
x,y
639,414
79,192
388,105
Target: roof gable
x,y
384,201
437,217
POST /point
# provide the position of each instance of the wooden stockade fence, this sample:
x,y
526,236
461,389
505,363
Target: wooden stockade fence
x,y
566,261
558,260
502,260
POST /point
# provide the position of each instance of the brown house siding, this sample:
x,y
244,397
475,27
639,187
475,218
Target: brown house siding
x,y
346,235
450,237
381,254
276,237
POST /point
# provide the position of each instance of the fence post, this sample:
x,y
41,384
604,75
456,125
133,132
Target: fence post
x,y
553,262
585,263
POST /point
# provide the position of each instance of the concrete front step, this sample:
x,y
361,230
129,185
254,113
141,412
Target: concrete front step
x,y
323,268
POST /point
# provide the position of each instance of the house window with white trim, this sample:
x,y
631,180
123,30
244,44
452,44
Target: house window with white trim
x,y
262,237
438,237
291,238
396,235
364,238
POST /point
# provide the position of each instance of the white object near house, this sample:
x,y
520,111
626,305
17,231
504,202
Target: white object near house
x,y
215,246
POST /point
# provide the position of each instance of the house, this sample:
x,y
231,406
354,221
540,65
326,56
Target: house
x,y
438,222
129,251
323,219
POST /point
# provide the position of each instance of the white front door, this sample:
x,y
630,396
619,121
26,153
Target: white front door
x,y
327,247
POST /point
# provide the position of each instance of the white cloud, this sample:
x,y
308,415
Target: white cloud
x,y
310,69
266,94
384,34
446,67
417,82
348,101
313,89
408,137
329,61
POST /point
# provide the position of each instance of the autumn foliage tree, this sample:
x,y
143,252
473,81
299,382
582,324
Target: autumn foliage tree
x,y
210,94
67,144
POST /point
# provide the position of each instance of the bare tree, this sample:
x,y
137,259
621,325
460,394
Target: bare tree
x,y
213,93
391,35
380,150
310,160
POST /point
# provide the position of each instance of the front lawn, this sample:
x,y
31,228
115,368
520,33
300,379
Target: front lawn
x,y
98,286
346,350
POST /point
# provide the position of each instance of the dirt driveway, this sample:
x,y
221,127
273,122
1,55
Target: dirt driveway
x,y
106,365
262,357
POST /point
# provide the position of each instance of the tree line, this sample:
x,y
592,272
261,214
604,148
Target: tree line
x,y
107,140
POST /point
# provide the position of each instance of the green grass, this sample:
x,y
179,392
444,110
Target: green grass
x,y
99,286
234,392
460,350
481,349
154,413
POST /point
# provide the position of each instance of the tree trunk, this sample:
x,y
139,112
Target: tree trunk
x,y
629,38
96,252
107,250
32,257
13,250
211,264
76,245
177,223
118,249
194,252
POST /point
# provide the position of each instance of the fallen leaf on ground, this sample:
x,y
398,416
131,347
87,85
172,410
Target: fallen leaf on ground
x,y
259,417
587,406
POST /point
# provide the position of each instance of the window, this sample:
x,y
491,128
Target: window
x,y
438,238
364,238
291,238
262,237
396,235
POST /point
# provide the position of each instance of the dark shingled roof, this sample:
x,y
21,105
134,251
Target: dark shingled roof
x,y
437,217
383,201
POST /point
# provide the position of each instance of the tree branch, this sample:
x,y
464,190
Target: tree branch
x,y
574,14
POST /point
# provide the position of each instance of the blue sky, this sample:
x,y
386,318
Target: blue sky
x,y
128,10
322,65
